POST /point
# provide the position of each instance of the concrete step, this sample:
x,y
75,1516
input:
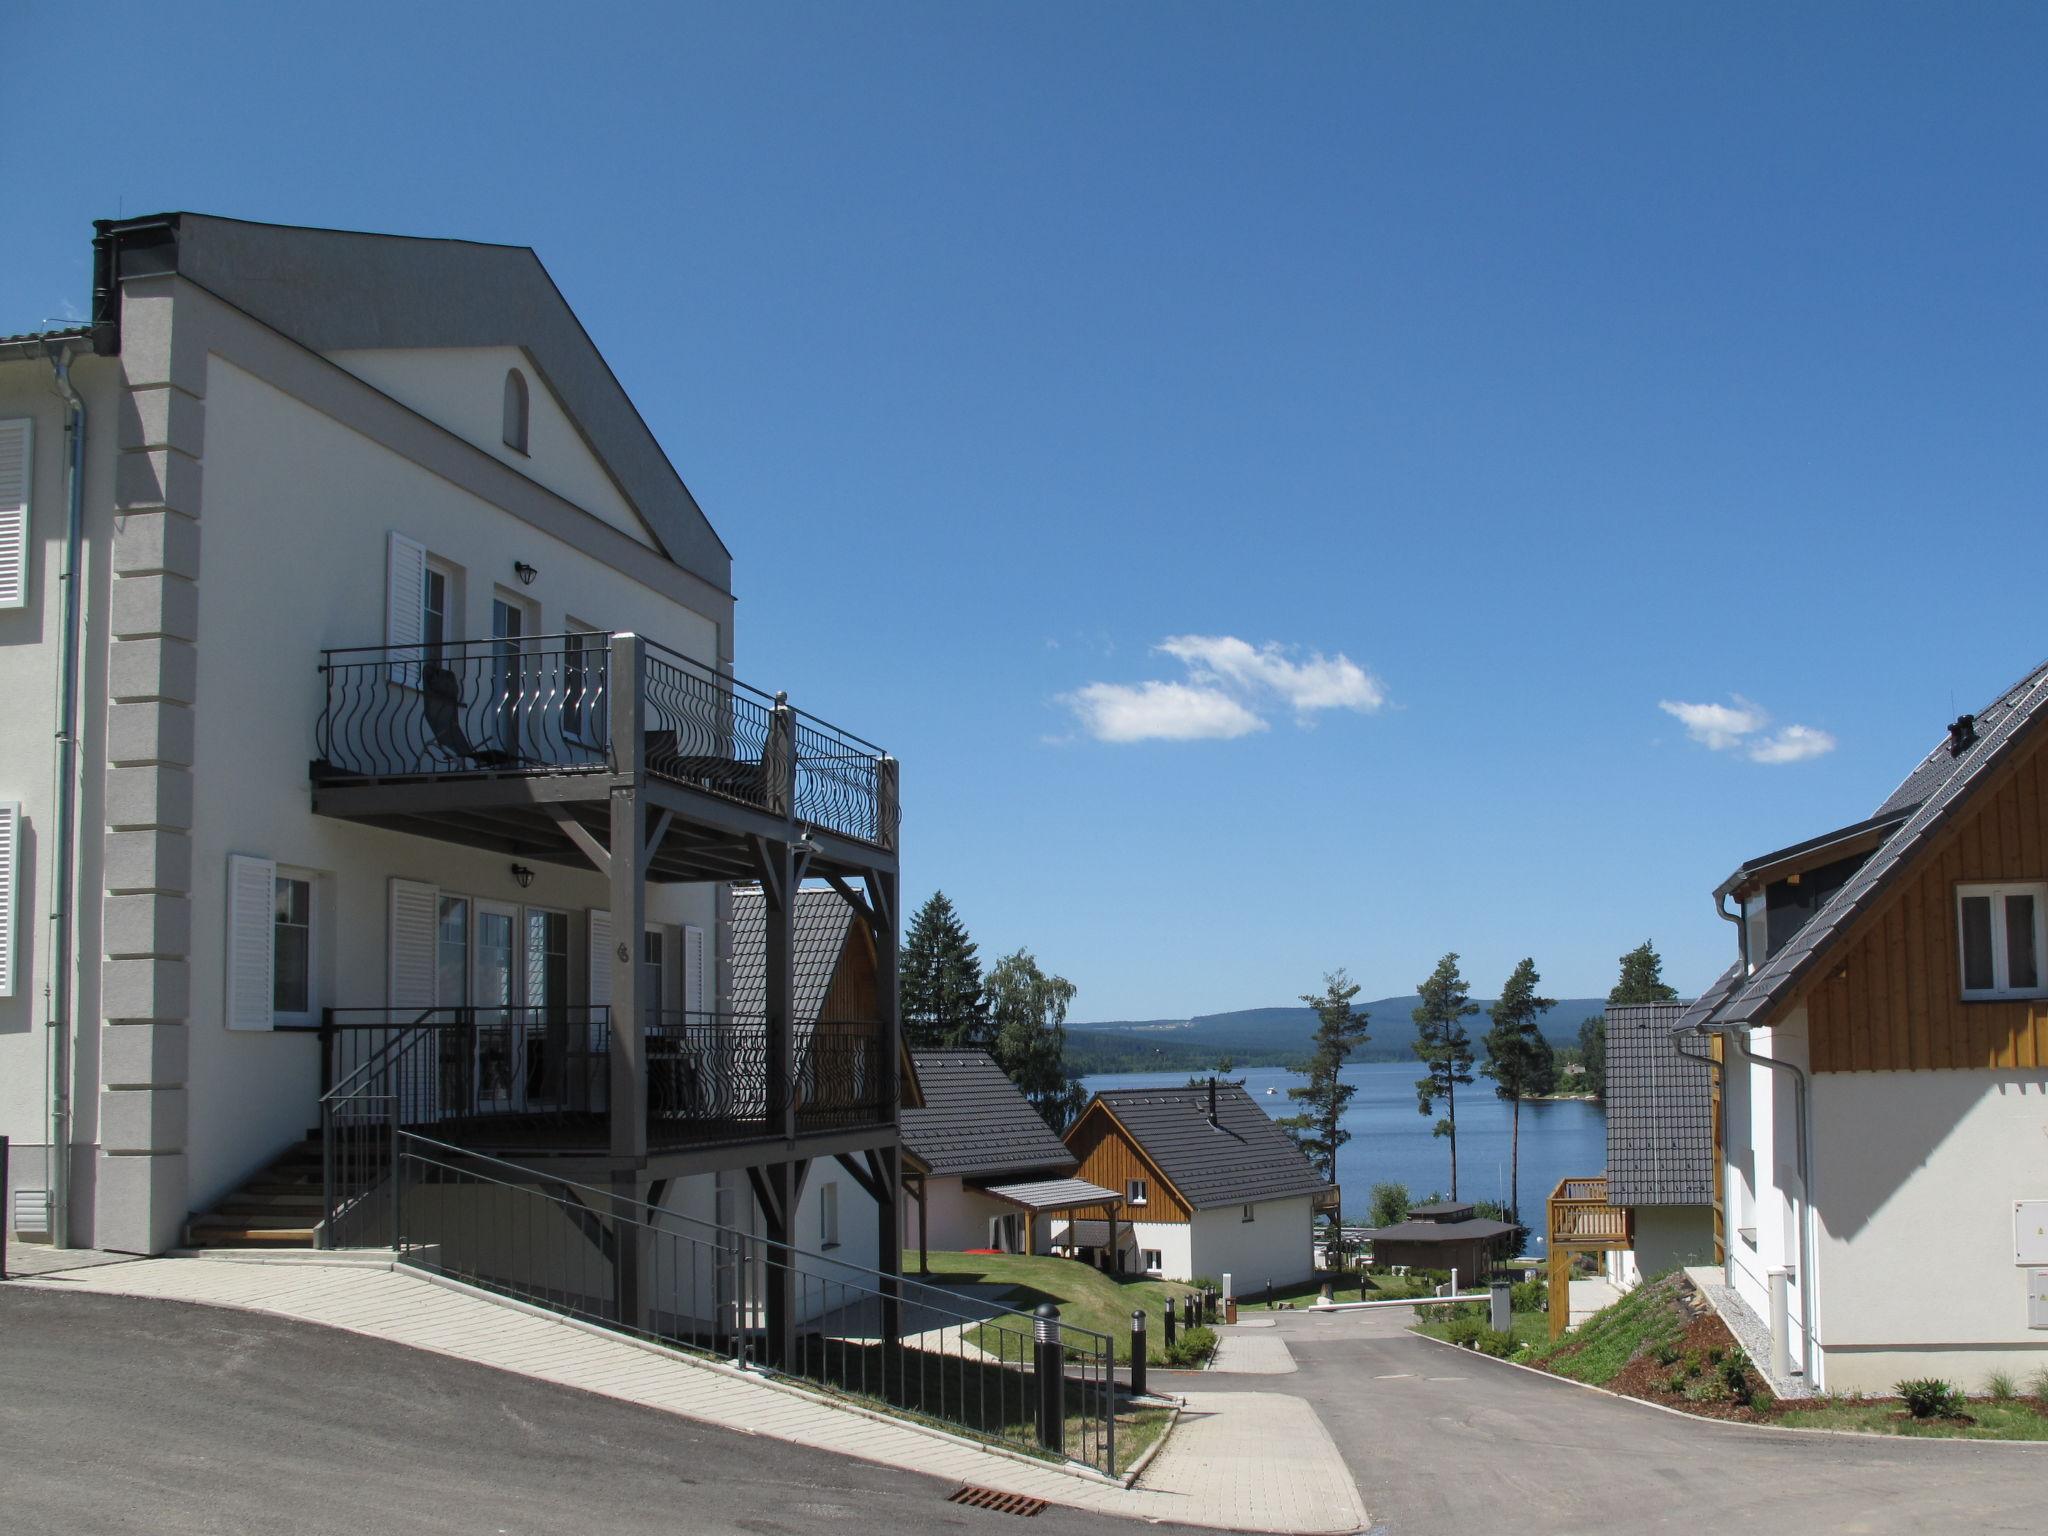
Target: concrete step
x,y
250,1237
255,1221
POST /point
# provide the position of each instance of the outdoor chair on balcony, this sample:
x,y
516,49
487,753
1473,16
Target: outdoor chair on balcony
x,y
441,697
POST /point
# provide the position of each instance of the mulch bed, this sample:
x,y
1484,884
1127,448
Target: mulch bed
x,y
1643,1377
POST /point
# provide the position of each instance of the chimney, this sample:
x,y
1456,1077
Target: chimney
x,y
1212,1100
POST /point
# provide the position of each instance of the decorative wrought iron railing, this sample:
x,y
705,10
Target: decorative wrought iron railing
x,y
544,705
539,1078
876,1338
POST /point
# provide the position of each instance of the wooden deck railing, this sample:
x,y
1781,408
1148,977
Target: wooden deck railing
x,y
1581,1217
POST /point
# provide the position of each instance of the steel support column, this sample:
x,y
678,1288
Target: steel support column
x,y
628,860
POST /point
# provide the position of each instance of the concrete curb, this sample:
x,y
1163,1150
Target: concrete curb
x,y
1866,1437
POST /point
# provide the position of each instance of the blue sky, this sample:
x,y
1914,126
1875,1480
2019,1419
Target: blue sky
x,y
1416,396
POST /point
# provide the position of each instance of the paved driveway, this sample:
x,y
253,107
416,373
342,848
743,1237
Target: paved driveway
x,y
1445,1443
121,1415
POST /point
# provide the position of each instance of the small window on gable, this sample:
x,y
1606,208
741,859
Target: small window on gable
x,y
1248,1214
1134,1192
2003,934
515,410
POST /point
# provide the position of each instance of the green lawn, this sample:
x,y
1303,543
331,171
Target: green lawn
x,y
1598,1348
1352,1285
2016,1419
1086,1297
1529,1330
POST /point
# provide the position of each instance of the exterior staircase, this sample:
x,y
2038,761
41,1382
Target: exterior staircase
x,y
280,1207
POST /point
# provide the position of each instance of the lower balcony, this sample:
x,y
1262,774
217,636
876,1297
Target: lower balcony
x,y
1580,1217
515,1081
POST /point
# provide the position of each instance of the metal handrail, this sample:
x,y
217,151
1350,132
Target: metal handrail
x,y
702,1286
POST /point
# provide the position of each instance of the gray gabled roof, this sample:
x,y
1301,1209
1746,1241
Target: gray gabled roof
x,y
822,921
976,1123
1478,1227
1660,1133
335,289
1934,790
1242,1158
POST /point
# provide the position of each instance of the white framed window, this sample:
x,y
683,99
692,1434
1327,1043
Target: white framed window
x,y
1249,1213
10,879
516,413
16,439
1155,1261
583,679
1134,1192
438,597
828,1215
293,960
2002,934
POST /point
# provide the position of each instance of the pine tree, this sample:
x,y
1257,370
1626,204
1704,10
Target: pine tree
x,y
1642,978
1318,1130
1593,1055
944,1005
1028,1011
1445,1048
1519,1060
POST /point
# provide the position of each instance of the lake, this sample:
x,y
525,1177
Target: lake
x,y
1391,1143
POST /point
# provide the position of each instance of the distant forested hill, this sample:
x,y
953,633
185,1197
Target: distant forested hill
x,y
1274,1037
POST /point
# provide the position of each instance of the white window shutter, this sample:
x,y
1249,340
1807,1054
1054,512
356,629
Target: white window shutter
x,y
414,909
10,903
252,936
600,958
405,604
16,437
695,988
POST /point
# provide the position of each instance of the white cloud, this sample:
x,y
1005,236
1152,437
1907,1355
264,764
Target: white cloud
x,y
1717,726
1794,744
1160,712
1741,726
1230,687
1320,682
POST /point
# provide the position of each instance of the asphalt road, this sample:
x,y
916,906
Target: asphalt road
x,y
121,1415
1444,1443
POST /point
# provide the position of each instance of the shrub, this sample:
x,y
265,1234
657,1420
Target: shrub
x,y
1665,1354
1529,1296
1192,1347
1927,1398
2000,1388
2037,1384
1735,1377
1490,1341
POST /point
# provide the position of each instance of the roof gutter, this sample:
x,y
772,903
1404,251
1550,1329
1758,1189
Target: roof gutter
x,y
64,855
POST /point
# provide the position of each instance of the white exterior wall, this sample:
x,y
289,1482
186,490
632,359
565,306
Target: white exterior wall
x,y
1759,1116
1915,1178
1175,1241
959,1218
211,666
1277,1244
29,664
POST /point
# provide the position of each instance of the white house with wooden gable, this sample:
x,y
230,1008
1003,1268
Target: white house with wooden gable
x,y
370,677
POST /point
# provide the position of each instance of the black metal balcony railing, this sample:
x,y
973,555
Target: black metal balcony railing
x,y
539,1078
543,705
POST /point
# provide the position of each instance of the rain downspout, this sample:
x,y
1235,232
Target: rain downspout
x,y
63,857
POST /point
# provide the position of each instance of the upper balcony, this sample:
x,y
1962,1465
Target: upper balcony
x,y
496,742
1580,1217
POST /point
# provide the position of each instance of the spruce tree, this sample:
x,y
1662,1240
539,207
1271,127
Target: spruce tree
x,y
1445,1048
1519,1060
1318,1130
944,1004
1642,978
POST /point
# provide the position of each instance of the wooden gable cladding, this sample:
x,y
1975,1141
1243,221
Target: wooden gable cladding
x,y
1111,1158
855,995
1889,997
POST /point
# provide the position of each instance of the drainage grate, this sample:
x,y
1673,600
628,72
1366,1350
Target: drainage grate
x,y
995,1499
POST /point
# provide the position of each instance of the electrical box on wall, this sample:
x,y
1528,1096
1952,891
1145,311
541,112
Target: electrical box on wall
x,y
2037,1298
2030,1233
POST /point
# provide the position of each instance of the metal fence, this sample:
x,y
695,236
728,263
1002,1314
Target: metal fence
x,y
542,705
655,1274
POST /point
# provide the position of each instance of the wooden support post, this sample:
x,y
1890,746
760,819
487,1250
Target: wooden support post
x,y
628,874
1560,1290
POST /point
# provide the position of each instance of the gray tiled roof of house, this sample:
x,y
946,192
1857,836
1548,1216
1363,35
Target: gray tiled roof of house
x,y
1243,1158
976,1123
1441,1231
822,920
1660,1134
1934,789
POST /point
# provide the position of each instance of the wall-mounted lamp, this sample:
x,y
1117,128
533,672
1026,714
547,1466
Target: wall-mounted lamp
x,y
524,572
523,875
